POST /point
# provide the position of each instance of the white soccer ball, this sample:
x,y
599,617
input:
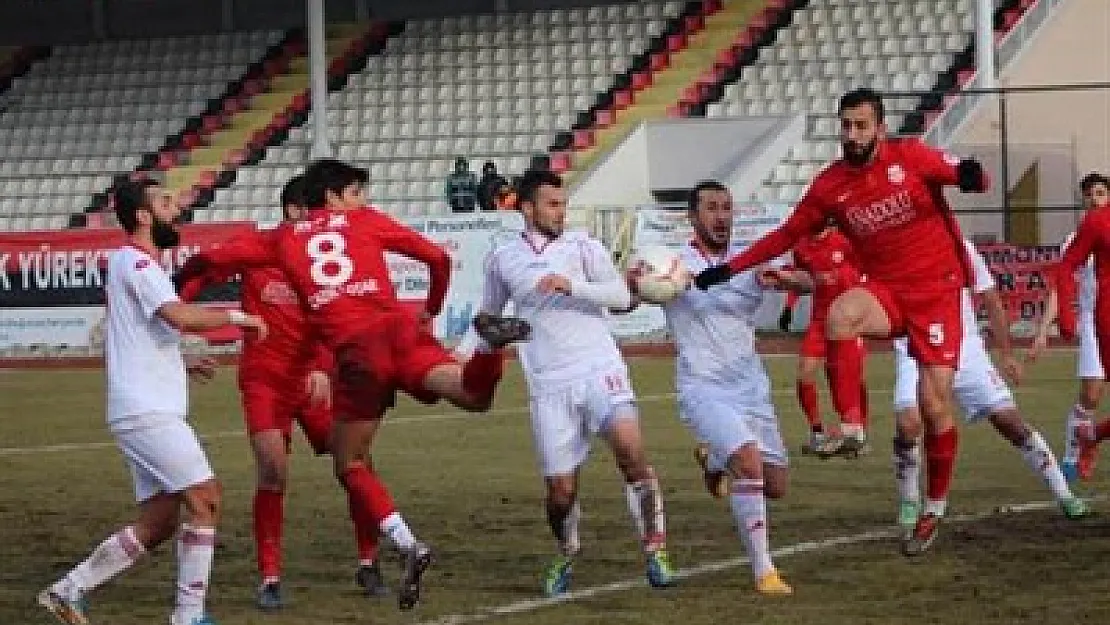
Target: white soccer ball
x,y
660,276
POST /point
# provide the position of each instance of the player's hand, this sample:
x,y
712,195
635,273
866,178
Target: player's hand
x,y
317,386
254,323
1011,368
713,275
785,318
553,284
1037,346
771,278
200,368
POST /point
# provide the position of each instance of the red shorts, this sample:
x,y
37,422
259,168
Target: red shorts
x,y
274,403
929,317
396,354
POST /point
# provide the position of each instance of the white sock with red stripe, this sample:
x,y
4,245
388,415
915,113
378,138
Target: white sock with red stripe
x,y
195,548
1039,457
112,557
749,508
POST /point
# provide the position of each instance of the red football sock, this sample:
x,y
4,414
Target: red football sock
x,y
1102,430
367,498
482,372
807,397
864,405
367,540
940,458
845,378
268,518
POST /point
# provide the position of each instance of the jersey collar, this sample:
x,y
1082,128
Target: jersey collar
x,y
537,241
709,257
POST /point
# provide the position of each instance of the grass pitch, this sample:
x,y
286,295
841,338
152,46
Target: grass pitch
x,y
469,486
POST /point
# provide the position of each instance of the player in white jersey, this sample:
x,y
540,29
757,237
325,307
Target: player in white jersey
x,y
1081,435
146,409
982,393
724,395
561,283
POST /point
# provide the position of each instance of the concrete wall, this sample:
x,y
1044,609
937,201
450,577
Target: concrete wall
x,y
1068,132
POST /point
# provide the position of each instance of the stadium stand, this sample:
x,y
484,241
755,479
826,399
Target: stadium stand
x,y
87,113
488,87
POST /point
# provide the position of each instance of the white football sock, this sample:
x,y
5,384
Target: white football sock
x,y
395,528
1037,454
645,504
195,548
907,470
113,556
749,510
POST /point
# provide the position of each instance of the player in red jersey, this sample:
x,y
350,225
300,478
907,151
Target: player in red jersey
x,y
282,378
886,196
824,265
1081,434
334,258
1092,238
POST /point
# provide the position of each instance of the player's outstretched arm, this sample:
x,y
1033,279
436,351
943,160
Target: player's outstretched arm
x,y
807,217
194,318
940,168
221,261
397,237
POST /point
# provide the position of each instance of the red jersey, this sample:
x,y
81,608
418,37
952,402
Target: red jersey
x,y
1092,237
289,347
335,262
891,209
831,261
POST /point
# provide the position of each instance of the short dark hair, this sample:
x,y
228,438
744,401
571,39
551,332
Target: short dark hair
x,y
704,185
329,174
1091,180
131,197
294,192
530,183
859,97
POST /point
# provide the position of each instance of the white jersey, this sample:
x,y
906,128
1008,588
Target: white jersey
x,y
1087,285
983,281
714,330
570,335
145,369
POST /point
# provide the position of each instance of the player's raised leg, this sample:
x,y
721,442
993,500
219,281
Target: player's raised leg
x,y
854,314
642,492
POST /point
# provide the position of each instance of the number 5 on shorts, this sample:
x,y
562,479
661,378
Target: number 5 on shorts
x,y
936,334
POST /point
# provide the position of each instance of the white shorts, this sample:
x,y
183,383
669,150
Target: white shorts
x,y
978,387
1089,363
729,417
567,414
163,454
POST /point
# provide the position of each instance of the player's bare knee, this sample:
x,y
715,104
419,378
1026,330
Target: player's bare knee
x,y
1011,426
203,502
746,463
273,473
776,480
907,425
561,490
1090,394
342,466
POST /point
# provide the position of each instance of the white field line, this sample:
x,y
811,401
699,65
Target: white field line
x,y
423,418
885,533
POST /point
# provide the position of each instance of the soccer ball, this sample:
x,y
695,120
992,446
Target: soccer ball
x,y
659,274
